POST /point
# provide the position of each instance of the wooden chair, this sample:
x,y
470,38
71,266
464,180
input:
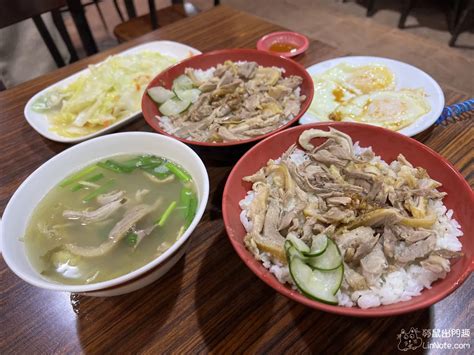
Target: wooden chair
x,y
406,8
96,4
19,10
137,26
464,17
78,15
408,5
370,8
458,16
99,11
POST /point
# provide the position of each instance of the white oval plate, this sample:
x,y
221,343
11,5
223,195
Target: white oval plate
x,y
40,122
406,76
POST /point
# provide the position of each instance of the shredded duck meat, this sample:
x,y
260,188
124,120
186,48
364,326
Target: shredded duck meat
x,y
377,213
241,100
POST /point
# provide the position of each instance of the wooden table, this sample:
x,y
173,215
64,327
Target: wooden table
x,y
210,301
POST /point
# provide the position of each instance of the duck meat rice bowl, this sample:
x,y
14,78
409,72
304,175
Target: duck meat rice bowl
x,y
230,102
344,227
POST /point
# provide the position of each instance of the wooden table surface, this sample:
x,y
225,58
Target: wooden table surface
x,y
209,301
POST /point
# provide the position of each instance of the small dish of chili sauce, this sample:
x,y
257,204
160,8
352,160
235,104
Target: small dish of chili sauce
x,y
286,44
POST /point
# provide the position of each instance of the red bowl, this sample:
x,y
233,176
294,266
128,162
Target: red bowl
x,y
300,41
388,145
211,59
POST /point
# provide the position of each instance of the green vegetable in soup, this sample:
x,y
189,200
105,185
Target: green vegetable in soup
x,y
191,210
131,239
166,214
160,171
185,198
179,172
114,166
188,201
153,165
76,176
149,161
93,178
102,189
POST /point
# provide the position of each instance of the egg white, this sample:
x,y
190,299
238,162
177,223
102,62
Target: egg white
x,y
328,96
361,79
390,109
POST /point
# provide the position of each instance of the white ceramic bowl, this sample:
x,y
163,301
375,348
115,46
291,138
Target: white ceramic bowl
x,y
48,175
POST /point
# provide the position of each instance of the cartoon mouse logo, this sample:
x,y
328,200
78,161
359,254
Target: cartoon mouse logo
x,y
409,340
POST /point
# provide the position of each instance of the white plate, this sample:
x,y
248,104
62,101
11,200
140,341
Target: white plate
x,y
40,122
406,76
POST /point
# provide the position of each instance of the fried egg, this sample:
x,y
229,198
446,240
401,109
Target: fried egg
x,y
390,109
361,79
328,95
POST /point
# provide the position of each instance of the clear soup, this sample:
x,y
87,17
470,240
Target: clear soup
x,y
110,218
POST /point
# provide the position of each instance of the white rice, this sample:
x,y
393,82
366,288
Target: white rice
x,y
204,75
298,157
244,205
166,124
400,285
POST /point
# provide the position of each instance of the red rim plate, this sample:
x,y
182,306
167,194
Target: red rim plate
x,y
211,59
388,145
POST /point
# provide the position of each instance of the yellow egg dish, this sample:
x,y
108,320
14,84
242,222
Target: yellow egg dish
x,y
366,94
328,95
361,79
390,109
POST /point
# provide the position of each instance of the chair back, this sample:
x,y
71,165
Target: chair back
x,y
13,11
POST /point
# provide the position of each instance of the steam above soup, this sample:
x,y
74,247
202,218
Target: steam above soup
x,y
110,218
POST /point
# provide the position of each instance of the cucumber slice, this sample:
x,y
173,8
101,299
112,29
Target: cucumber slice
x,y
331,278
190,95
297,243
290,251
174,107
182,82
329,260
316,284
336,273
160,94
318,245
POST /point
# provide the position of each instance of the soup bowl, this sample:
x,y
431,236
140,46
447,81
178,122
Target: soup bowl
x,y
48,175
152,114
388,145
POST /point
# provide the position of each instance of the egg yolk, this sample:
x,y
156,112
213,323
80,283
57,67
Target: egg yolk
x,y
371,78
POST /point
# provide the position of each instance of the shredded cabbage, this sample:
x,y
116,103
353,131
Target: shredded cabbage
x,y
109,92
